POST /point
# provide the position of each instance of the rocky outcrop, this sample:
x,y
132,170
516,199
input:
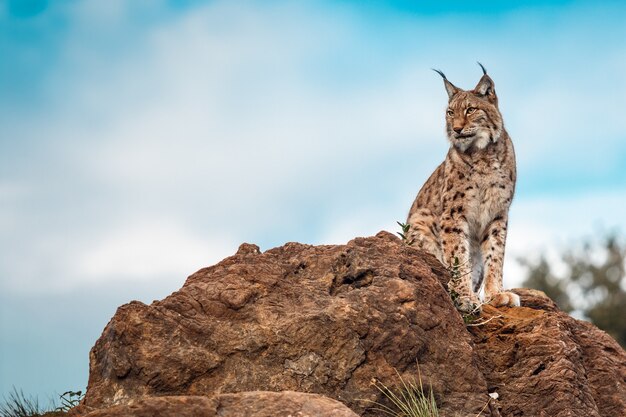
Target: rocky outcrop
x,y
542,362
331,320
248,404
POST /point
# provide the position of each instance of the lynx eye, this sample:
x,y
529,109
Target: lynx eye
x,y
470,110
450,112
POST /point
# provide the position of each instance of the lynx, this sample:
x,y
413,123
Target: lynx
x,y
460,215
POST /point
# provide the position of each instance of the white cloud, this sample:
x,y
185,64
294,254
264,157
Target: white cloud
x,y
363,223
232,121
550,224
155,251
11,194
144,251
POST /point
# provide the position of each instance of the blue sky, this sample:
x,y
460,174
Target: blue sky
x,y
143,140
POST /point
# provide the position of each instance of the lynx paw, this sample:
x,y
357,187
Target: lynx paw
x,y
505,298
467,305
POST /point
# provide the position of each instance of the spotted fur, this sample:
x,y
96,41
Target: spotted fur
x,y
460,215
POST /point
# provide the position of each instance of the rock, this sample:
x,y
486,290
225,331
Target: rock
x,y
246,404
542,362
319,319
332,320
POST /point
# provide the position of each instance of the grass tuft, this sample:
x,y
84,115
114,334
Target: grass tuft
x,y
19,405
409,401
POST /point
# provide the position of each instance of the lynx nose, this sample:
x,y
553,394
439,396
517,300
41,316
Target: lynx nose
x,y
457,129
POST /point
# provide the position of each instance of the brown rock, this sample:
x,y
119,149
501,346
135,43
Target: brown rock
x,y
325,319
246,404
542,362
332,319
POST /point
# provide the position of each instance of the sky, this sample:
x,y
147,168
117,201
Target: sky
x,y
141,140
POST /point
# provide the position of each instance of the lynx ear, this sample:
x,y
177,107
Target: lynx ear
x,y
450,88
486,87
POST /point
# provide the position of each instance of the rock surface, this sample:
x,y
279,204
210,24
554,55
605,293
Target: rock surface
x,y
333,319
247,404
542,362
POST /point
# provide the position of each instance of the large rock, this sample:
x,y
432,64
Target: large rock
x,y
333,319
319,319
542,362
247,404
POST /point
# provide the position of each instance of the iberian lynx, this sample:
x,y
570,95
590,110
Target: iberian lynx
x,y
460,215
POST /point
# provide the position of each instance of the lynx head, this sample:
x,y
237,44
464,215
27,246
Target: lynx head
x,y
473,120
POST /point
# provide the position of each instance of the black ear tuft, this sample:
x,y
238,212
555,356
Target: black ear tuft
x,y
451,89
481,65
440,73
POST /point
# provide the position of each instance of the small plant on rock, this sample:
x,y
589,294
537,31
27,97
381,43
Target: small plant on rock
x,y
69,400
19,405
410,400
404,234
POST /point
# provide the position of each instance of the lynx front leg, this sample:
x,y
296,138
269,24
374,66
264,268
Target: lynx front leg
x,y
424,232
492,248
456,253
